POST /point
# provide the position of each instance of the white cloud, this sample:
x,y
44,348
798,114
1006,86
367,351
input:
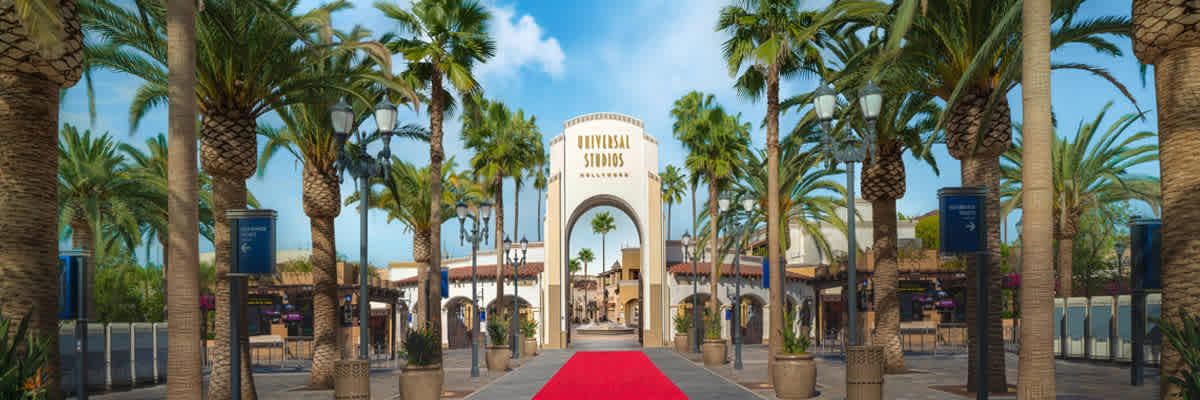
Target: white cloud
x,y
521,42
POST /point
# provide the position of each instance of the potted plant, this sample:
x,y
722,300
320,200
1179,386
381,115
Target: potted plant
x,y
497,352
529,331
1185,338
795,374
683,341
422,376
713,349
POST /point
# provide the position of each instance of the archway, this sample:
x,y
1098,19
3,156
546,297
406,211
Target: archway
x,y
459,314
685,308
630,313
604,159
751,319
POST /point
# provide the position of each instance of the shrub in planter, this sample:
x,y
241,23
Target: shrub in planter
x,y
497,352
529,332
1185,338
713,350
422,376
683,341
23,372
795,374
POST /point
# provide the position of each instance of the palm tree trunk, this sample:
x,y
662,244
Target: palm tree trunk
x,y
516,209
984,170
540,198
668,221
1035,377
162,244
774,252
1179,136
887,282
421,255
184,373
324,300
498,187
585,288
714,274
1065,258
29,192
228,194
436,155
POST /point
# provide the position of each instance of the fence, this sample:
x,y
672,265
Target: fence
x,y
120,355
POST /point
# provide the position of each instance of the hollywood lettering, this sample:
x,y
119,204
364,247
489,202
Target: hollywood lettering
x,y
603,142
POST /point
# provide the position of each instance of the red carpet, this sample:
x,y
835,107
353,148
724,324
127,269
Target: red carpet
x,y
610,376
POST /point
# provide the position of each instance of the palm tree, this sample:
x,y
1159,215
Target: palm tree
x,y
133,43
968,54
308,135
1164,36
1089,171
98,194
504,144
672,190
603,223
43,46
716,142
572,269
448,37
185,281
586,256
531,164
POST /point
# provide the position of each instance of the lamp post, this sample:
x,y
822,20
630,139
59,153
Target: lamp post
x,y
516,261
689,256
849,149
738,229
362,167
477,233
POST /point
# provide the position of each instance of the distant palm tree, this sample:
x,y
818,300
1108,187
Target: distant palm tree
x,y
447,39
1155,42
586,256
672,190
532,164
603,223
1090,170
716,143
540,181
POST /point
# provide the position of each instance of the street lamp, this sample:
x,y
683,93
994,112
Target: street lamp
x,y
516,261
362,167
849,149
1120,247
478,232
689,256
738,229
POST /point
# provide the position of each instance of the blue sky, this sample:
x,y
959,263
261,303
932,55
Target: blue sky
x,y
630,57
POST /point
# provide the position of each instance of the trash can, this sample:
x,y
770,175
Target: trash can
x,y
864,372
352,380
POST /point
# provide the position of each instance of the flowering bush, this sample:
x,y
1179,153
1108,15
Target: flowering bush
x,y
23,372
1012,281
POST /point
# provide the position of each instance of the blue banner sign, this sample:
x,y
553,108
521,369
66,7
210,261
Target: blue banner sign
x,y
766,273
961,222
253,241
483,316
728,315
70,287
445,282
1146,252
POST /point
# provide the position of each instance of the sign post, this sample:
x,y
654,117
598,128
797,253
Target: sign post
x,y
72,303
252,238
963,231
1145,235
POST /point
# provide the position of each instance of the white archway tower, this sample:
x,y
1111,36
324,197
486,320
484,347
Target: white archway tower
x,y
604,159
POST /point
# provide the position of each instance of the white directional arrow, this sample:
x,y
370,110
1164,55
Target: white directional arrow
x,y
970,226
245,247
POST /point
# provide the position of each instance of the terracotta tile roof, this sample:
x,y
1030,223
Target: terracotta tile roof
x,y
750,270
483,271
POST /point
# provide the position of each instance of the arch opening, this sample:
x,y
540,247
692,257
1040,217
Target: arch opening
x,y
593,306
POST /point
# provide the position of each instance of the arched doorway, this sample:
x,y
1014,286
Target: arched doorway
x,y
604,159
630,313
751,319
459,314
685,309
579,224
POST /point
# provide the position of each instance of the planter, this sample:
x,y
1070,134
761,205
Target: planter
x,y
529,347
683,343
864,372
351,379
421,382
497,358
795,376
713,351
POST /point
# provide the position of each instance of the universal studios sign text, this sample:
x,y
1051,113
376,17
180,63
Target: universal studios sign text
x,y
603,142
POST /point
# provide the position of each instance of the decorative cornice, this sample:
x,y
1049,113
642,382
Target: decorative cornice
x,y
558,138
649,138
653,176
554,177
601,116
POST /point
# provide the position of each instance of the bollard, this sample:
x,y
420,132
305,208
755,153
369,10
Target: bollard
x,y
864,372
352,380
